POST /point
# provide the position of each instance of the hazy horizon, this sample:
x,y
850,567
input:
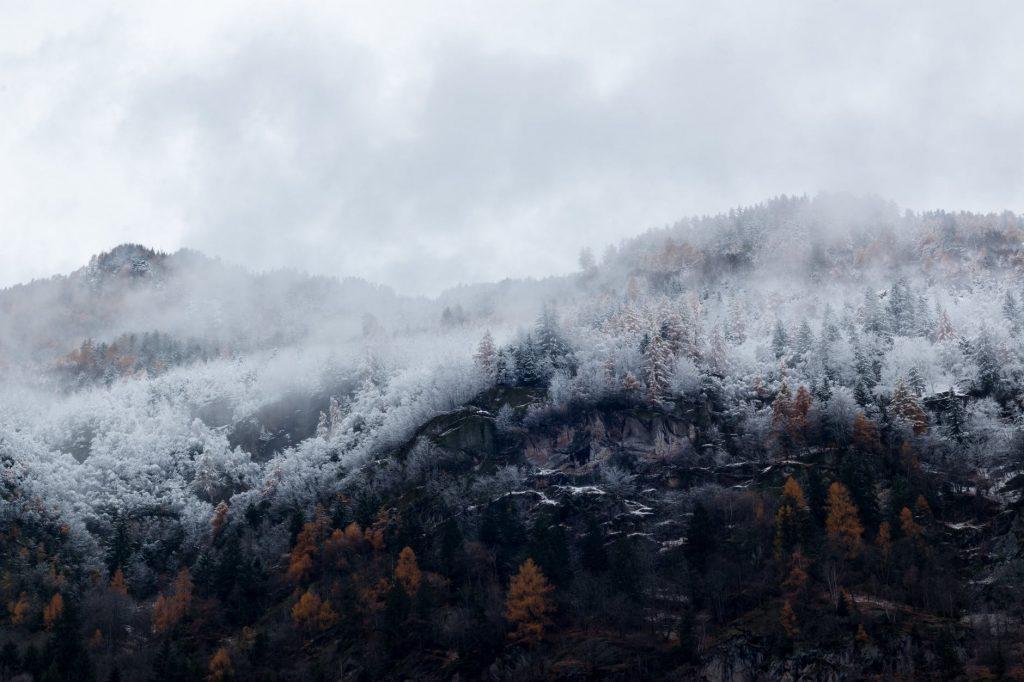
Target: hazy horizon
x,y
424,148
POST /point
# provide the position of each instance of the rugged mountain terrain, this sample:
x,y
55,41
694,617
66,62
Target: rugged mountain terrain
x,y
779,443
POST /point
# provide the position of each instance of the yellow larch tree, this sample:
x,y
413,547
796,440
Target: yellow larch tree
x,y
528,605
169,611
407,571
843,525
53,611
20,609
220,667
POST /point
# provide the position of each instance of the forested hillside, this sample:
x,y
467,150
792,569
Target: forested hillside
x,y
781,441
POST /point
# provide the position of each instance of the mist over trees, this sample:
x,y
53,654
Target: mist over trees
x,y
785,420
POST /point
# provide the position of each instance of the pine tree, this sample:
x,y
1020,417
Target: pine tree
x,y
824,390
791,519
945,331
804,340
1011,311
841,521
861,393
900,310
528,605
871,314
553,350
485,357
735,330
915,381
780,340
593,556
986,358
657,369
674,333
700,538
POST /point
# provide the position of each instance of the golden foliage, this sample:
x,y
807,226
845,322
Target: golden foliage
x,y
905,405
169,611
371,594
220,667
865,434
407,572
53,611
842,523
791,490
307,544
884,540
796,580
20,610
528,605
311,613
117,583
219,518
792,506
908,525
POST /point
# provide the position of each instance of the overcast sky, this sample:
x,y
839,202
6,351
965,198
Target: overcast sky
x,y
426,144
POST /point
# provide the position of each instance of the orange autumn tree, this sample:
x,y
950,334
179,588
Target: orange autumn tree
x,y
884,540
117,583
220,667
219,518
796,580
790,518
20,609
311,613
53,611
528,605
842,522
904,404
169,611
911,529
865,434
307,546
798,413
407,571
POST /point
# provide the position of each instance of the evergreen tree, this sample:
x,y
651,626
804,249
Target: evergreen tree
x,y
1010,311
550,549
486,357
593,556
780,340
700,538
804,340
986,358
657,369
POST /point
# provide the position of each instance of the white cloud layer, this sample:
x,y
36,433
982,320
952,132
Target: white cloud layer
x,y
422,146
